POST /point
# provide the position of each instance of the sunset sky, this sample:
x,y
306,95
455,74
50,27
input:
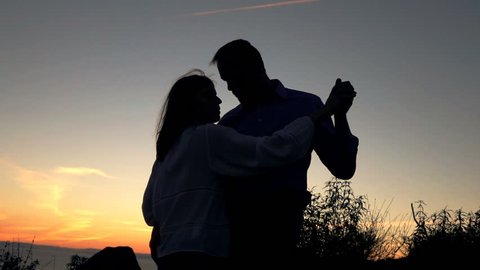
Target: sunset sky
x,y
82,83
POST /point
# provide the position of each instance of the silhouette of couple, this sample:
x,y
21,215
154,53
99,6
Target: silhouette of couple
x,y
232,195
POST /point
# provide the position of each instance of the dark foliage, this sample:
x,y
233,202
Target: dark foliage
x,y
12,257
75,262
341,227
445,237
341,230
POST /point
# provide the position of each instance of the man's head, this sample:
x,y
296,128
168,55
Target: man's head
x,y
241,66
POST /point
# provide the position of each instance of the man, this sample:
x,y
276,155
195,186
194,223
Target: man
x,y
267,210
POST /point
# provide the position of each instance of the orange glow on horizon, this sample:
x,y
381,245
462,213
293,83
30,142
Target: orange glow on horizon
x,y
137,240
68,207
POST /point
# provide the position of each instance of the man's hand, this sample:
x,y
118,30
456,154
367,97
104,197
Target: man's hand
x,y
341,97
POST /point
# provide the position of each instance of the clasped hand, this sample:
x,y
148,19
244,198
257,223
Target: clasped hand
x,y
341,97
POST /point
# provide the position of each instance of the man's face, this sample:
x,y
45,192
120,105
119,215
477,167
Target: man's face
x,y
239,80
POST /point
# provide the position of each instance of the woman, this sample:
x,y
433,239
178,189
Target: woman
x,y
184,199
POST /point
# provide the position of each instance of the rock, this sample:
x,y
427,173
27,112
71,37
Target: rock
x,y
112,258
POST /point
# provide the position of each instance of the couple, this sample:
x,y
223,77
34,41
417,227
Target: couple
x,y
231,194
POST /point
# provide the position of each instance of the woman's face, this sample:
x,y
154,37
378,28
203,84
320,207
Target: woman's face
x,y
207,107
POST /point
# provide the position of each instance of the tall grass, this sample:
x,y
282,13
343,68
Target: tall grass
x,y
12,257
447,235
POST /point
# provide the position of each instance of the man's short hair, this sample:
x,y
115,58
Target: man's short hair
x,y
241,53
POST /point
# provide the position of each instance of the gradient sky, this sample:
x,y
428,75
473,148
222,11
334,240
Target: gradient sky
x,y
82,83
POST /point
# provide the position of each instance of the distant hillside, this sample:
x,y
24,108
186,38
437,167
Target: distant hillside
x,y
56,258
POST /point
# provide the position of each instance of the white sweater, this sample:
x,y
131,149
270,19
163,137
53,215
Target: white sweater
x,y
185,194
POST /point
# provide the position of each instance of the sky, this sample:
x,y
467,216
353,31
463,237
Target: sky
x,y
82,84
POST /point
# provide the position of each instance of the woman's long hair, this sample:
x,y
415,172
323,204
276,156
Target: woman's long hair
x,y
177,111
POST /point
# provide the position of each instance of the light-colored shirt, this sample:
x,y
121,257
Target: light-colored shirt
x,y
185,193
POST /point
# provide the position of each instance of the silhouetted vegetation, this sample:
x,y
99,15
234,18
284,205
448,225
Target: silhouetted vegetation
x,y
342,229
446,236
12,257
75,262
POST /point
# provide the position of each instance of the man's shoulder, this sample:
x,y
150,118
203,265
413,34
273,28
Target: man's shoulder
x,y
300,94
295,102
300,101
294,94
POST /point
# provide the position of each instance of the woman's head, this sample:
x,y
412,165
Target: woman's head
x,y
192,100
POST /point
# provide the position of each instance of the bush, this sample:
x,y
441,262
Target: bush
x,y
340,226
75,262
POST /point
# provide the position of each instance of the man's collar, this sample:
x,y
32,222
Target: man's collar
x,y
280,90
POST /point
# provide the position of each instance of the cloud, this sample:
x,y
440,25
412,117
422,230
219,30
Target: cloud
x,y
78,220
81,171
130,225
44,190
43,203
29,228
87,238
261,6
40,188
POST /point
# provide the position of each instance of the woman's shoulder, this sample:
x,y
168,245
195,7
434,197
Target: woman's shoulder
x,y
210,129
215,132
